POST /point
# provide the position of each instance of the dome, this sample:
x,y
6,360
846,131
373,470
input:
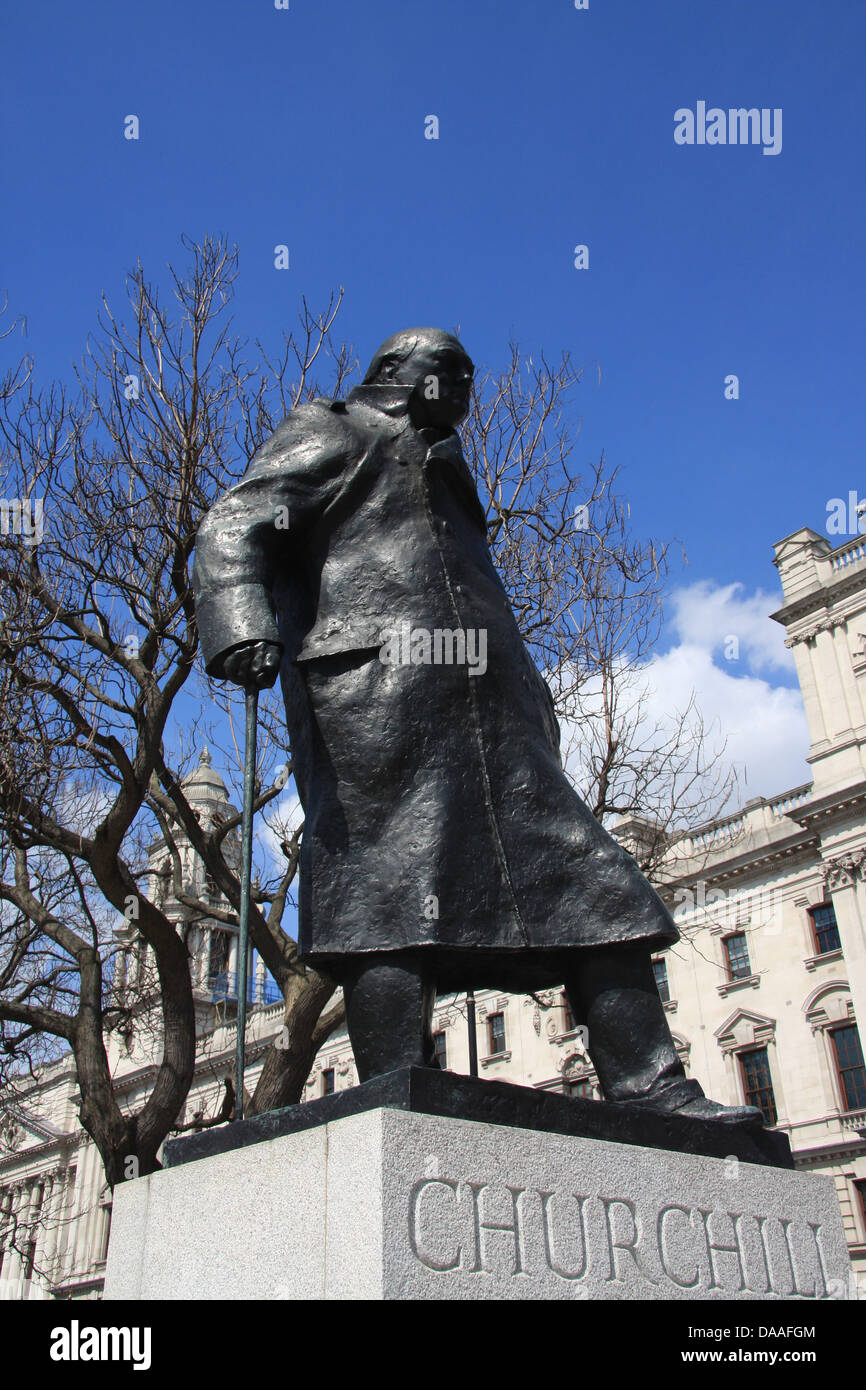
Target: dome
x,y
204,784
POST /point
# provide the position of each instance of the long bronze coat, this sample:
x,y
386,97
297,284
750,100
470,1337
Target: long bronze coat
x,y
437,813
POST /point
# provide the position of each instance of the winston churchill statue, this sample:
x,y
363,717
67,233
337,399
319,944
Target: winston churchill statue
x,y
444,847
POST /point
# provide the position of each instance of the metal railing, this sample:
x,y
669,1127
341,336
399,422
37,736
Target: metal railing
x,y
224,987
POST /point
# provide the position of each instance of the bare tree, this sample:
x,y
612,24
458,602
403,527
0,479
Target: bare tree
x,y
97,649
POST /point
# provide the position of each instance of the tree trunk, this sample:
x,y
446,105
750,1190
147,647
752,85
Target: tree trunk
x,y
288,1063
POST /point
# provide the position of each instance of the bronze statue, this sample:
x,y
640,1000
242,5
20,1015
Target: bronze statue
x,y
444,847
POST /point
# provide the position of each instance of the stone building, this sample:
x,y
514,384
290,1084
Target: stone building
x,y
763,991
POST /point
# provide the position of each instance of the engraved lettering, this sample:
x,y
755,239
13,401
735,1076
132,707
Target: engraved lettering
x,y
513,1227
661,1234
762,1221
713,1247
786,1224
443,1264
549,1255
815,1228
446,1234
613,1246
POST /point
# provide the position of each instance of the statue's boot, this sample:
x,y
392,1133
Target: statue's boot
x,y
389,1013
630,1043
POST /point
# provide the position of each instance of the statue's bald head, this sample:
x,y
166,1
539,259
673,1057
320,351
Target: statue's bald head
x,y
435,364
400,346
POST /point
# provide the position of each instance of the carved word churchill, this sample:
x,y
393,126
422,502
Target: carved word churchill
x,y
523,1232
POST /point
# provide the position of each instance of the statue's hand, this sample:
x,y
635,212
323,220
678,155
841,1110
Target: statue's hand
x,y
253,663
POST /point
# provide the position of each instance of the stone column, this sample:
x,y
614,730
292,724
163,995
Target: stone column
x,y
13,1265
79,1245
848,680
46,1236
26,1231
806,676
844,879
259,974
65,1225
831,689
90,1224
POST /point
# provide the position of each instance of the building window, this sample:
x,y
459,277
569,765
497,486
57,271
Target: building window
x,y
220,949
825,929
757,1084
860,1189
660,970
496,1033
849,1061
328,1081
569,1022
737,953
440,1050
106,1231
582,1088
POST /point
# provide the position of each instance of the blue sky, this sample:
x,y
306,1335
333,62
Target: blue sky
x,y
306,127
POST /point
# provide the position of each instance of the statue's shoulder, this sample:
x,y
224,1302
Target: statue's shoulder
x,y
323,412
320,427
320,405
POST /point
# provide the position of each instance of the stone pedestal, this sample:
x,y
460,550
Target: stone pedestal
x,y
348,1198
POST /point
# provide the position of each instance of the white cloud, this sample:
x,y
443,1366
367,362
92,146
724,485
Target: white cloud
x,y
709,615
283,814
762,726
753,724
762,722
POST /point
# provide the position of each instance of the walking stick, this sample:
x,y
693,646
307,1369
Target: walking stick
x,y
252,714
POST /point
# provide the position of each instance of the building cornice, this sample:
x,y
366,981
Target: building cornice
x,y
43,1128
821,808
20,1158
822,1153
828,623
745,863
819,600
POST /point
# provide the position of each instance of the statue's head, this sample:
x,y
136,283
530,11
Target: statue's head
x,y
435,364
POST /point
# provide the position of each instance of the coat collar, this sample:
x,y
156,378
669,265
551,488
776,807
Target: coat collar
x,y
394,401
391,400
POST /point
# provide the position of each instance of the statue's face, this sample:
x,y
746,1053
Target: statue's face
x,y
442,377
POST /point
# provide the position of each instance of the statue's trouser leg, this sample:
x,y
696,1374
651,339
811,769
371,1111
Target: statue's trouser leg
x,y
389,1011
614,993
